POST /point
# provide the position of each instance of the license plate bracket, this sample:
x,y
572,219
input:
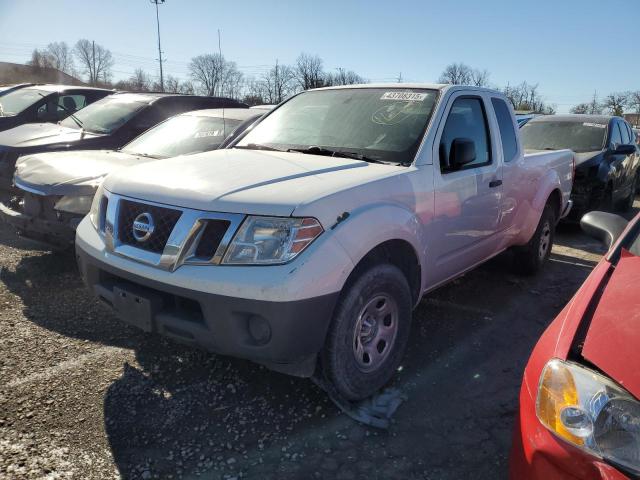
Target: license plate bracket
x,y
135,308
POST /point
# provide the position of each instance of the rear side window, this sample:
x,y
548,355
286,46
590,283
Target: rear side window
x,y
467,119
507,132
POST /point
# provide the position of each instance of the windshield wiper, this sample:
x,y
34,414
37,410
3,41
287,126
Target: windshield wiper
x,y
258,146
316,150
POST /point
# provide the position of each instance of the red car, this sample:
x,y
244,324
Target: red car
x,y
579,403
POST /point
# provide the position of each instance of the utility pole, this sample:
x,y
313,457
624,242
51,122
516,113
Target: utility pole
x,y
159,48
400,78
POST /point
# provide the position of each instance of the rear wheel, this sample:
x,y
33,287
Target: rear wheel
x,y
530,258
369,332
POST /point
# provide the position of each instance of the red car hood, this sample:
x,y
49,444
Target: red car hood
x,y
613,339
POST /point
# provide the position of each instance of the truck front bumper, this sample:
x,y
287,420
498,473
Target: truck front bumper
x,y
193,304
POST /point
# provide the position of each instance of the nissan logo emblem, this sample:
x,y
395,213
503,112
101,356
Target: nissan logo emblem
x,y
143,227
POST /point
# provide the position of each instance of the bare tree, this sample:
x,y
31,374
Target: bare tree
x,y
580,108
60,56
277,83
462,74
95,60
615,103
216,76
594,107
633,100
40,59
480,78
526,97
138,82
344,77
456,74
308,71
254,92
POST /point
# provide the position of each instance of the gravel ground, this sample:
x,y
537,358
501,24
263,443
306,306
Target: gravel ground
x,y
83,396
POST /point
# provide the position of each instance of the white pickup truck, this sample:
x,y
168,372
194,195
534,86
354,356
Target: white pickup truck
x,y
306,244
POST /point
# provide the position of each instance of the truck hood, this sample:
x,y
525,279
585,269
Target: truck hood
x,y
76,172
38,134
614,333
244,181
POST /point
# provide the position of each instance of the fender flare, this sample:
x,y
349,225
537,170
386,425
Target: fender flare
x,y
380,223
549,183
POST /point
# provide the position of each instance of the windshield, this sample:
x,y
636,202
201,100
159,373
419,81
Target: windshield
x,y
577,136
380,123
182,135
106,115
13,103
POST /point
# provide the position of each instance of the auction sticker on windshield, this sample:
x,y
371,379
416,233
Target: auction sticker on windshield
x,y
597,125
404,96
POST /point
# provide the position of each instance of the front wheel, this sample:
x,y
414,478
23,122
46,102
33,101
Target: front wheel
x,y
530,258
368,333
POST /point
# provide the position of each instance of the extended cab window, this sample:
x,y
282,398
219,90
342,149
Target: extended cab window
x,y
507,132
466,120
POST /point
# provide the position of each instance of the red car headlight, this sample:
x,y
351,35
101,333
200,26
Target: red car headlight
x,y
591,412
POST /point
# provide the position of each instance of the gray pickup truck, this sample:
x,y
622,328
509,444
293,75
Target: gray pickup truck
x,y
306,245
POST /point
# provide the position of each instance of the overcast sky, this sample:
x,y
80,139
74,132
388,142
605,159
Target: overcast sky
x,y
570,47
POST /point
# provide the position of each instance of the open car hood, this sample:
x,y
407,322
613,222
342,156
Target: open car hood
x,y
614,334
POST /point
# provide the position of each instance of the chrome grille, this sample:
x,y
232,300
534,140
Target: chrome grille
x,y
165,220
210,239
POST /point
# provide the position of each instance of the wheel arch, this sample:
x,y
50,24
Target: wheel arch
x,y
397,252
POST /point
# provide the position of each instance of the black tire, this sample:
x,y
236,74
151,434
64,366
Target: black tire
x,y
342,364
530,258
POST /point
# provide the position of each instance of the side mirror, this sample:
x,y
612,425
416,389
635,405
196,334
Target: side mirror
x,y
603,226
463,152
624,149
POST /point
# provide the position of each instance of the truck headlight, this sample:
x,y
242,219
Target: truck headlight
x,y
80,205
94,211
591,412
271,240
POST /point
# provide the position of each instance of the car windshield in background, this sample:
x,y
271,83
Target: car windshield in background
x,y
577,136
106,115
15,102
182,135
380,124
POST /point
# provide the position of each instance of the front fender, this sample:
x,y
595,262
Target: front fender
x,y
367,227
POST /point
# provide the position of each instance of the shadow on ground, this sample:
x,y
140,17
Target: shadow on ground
x,y
182,412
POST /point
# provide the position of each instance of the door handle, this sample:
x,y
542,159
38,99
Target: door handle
x,y
495,183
